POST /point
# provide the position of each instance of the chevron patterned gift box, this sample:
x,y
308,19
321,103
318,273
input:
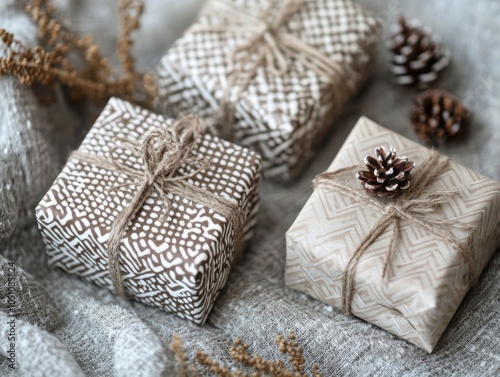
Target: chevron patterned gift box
x,y
271,73
411,276
176,259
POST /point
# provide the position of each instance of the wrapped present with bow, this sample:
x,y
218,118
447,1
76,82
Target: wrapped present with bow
x,y
154,209
271,75
395,236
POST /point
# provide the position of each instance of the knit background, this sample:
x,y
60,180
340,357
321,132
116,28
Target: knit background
x,y
67,327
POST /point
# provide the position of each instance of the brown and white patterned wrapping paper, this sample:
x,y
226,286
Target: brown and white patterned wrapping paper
x,y
423,286
281,117
179,263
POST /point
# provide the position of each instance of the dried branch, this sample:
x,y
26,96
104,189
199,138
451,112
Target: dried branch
x,y
179,353
185,369
130,13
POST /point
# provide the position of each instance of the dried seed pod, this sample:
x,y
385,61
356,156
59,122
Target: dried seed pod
x,y
439,117
417,56
387,174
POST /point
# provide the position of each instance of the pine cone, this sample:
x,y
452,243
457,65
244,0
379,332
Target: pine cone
x,y
418,57
387,174
438,117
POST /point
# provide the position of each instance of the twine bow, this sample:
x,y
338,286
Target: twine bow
x,y
270,46
163,152
415,206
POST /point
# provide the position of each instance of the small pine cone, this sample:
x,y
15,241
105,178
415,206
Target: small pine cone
x,y
438,117
387,174
418,57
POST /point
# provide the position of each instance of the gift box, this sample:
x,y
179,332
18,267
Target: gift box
x,y
403,263
181,229
271,75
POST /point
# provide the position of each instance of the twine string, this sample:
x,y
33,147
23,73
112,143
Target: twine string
x,y
163,151
414,205
270,46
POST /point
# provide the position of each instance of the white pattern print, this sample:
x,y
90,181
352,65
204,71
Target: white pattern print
x,y
179,264
282,117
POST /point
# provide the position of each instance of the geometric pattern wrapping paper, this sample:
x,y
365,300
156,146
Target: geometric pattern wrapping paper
x,y
281,117
178,263
423,286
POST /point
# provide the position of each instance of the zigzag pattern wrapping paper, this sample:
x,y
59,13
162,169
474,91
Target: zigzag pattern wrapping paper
x,y
424,284
179,263
281,117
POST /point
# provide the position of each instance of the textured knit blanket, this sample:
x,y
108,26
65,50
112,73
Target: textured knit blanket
x,y
68,327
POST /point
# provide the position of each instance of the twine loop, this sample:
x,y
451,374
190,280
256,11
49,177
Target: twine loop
x,y
267,41
163,151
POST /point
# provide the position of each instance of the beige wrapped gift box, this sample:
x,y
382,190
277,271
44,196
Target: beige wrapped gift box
x,y
424,283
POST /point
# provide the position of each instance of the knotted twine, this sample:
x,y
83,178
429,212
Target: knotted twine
x,y
414,205
163,152
269,46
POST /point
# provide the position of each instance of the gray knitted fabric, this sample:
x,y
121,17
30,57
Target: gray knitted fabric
x,y
31,302
34,139
68,327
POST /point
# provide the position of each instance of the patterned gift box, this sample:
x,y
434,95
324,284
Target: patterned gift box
x,y
178,262
424,283
282,116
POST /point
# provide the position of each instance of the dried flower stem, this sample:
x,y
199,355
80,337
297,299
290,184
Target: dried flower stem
x,y
259,365
180,355
130,13
185,369
49,63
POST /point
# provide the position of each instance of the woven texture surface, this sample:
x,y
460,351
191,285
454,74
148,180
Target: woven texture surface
x,y
95,333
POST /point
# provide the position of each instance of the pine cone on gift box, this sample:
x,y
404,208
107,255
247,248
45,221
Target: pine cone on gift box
x,y
418,57
438,117
387,174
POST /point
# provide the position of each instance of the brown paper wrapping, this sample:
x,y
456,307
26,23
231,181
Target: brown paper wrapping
x,y
281,117
179,263
424,284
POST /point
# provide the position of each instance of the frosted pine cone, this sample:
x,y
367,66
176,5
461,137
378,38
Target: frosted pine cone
x,y
418,57
438,117
387,174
